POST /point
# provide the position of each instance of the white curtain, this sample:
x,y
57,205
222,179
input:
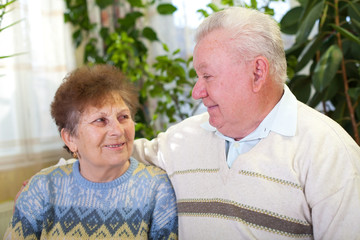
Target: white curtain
x,y
28,81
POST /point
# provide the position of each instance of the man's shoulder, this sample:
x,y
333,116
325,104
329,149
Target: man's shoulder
x,y
313,124
316,120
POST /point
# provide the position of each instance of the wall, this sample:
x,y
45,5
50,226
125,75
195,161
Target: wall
x,y
12,179
6,210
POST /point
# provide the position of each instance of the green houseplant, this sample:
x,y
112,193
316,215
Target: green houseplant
x,y
125,45
323,63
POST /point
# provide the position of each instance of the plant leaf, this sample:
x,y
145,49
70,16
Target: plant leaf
x,y
77,37
269,11
203,12
129,20
165,47
356,23
303,2
301,87
316,98
308,23
192,73
135,3
289,24
12,24
346,33
309,52
227,2
150,34
326,68
13,55
176,52
166,9
354,11
354,92
213,7
103,3
7,4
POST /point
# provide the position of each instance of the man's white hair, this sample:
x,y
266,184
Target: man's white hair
x,y
253,34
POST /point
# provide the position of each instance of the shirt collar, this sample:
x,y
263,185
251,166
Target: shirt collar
x,y
282,119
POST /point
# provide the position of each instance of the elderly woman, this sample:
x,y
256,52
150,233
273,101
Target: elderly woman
x,y
106,194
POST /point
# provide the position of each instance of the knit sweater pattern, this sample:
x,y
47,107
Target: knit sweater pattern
x,y
58,203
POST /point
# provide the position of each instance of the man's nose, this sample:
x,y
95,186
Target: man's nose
x,y
199,90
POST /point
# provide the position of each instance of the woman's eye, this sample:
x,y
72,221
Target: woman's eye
x,y
125,116
100,120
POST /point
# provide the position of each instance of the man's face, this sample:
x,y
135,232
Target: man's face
x,y
224,83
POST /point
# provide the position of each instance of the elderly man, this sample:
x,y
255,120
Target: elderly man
x,y
259,164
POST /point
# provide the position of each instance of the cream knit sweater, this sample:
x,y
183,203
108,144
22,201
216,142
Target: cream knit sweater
x,y
303,187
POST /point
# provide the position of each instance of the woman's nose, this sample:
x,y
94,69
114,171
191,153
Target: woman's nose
x,y
199,90
116,128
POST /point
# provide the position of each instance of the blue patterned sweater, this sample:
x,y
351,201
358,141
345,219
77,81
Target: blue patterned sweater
x,y
58,203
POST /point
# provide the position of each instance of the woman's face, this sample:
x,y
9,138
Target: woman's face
x,y
104,139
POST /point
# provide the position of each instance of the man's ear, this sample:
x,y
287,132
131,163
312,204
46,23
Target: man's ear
x,y
68,139
260,71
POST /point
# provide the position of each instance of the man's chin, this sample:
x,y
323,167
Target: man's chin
x,y
214,121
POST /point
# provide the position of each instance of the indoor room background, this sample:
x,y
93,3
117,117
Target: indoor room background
x,y
40,49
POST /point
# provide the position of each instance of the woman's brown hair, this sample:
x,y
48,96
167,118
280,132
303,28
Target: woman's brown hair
x,y
89,86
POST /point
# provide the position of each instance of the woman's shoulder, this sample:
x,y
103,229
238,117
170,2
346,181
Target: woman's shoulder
x,y
154,179
149,168
54,171
149,171
66,168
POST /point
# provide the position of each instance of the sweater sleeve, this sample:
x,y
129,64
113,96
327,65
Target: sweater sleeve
x,y
338,215
164,224
27,220
146,152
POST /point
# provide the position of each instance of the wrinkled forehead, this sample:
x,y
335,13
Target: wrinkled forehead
x,y
109,99
213,49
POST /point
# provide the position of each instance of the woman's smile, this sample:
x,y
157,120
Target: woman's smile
x,y
105,137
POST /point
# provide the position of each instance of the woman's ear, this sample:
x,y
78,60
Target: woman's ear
x,y
260,71
68,139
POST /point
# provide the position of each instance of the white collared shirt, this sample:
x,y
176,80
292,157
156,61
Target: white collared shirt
x,y
282,120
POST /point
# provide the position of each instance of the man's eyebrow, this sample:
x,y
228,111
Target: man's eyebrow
x,y
201,66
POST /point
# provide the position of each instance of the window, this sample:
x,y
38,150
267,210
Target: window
x,y
28,81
